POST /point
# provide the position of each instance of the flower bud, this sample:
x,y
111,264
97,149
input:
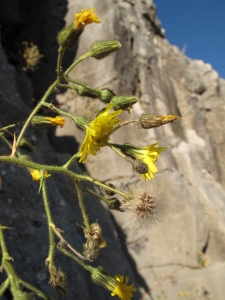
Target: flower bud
x,y
101,277
86,91
68,37
81,122
106,95
42,121
100,50
123,102
148,120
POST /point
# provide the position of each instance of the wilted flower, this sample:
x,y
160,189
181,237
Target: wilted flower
x,y
142,207
149,120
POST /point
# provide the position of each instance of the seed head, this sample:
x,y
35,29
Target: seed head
x,y
142,207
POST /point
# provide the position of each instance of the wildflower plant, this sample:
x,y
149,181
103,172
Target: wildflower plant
x,y
140,203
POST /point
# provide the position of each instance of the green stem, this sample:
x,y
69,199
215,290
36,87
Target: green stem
x,y
4,286
11,126
81,58
34,289
81,204
59,111
97,195
61,52
67,86
51,250
71,160
27,123
117,151
79,261
14,282
56,169
127,122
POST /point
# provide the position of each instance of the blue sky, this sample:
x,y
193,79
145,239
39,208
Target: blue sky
x,y
198,25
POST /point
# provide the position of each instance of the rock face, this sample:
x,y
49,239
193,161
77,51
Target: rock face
x,y
185,252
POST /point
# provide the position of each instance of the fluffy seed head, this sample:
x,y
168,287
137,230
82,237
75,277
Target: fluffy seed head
x,y
142,207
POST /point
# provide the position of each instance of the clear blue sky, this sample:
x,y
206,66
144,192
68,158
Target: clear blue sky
x,y
198,24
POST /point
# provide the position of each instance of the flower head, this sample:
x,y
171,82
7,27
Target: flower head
x,y
142,207
115,284
148,155
122,290
56,121
87,16
98,132
36,175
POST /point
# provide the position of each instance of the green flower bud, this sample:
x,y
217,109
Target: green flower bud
x,y
100,50
106,95
86,91
81,122
123,102
68,37
101,277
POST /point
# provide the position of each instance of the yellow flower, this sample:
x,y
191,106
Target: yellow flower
x,y
87,16
36,176
149,155
122,290
98,132
56,121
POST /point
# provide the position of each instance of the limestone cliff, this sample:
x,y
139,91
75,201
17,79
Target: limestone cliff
x,y
166,259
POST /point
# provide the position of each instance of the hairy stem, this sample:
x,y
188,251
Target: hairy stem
x,y
36,109
51,251
57,169
81,204
61,52
81,58
58,110
11,126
